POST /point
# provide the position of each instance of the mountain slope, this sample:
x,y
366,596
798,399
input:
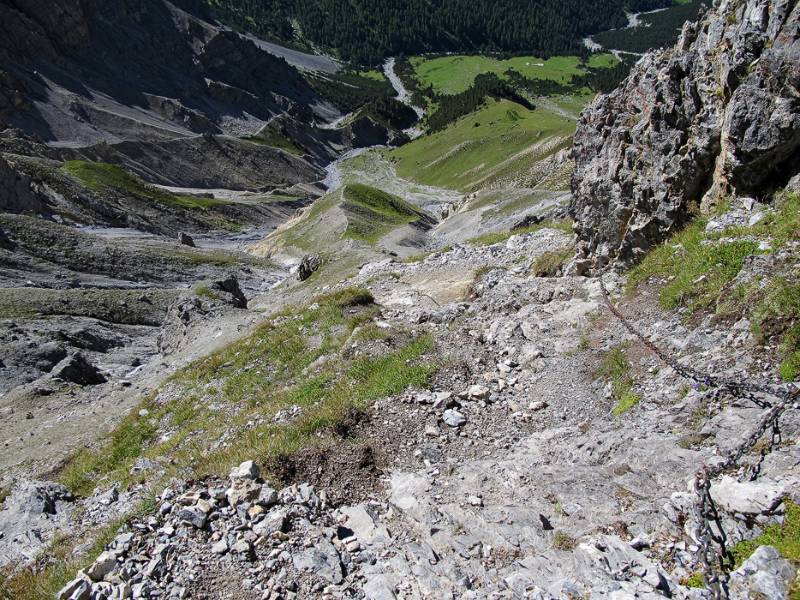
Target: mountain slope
x,y
119,70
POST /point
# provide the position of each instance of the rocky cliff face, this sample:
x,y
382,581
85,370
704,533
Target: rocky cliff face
x,y
717,115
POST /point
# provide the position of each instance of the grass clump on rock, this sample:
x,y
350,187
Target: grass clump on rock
x,y
785,538
551,262
695,267
777,316
563,541
615,368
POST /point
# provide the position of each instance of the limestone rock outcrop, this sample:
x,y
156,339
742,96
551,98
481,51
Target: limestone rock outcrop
x,y
718,114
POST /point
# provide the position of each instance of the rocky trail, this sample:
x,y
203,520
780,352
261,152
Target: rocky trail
x,y
393,391
511,476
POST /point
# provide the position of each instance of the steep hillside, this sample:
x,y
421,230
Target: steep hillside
x,y
146,85
140,70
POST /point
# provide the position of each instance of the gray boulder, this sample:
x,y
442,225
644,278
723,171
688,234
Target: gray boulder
x,y
766,574
76,368
308,265
29,517
185,239
228,290
322,560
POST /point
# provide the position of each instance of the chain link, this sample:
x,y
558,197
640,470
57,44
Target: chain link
x,y
714,555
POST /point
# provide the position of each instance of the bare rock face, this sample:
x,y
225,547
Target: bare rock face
x,y
29,518
718,114
308,266
78,369
16,193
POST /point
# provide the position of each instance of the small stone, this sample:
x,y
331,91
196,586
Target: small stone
x,y
453,418
475,500
101,567
478,392
242,547
243,490
221,547
194,516
109,497
267,497
538,405
77,589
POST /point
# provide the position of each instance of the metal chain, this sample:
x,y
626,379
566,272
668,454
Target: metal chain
x,y
740,389
713,551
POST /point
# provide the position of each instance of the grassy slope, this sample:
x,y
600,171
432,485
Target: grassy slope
x,y
363,213
480,146
372,213
101,177
454,74
696,271
221,410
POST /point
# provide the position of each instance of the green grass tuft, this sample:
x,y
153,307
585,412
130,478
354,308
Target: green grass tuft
x,y
206,292
615,368
126,443
696,267
551,262
564,542
695,580
785,538
777,315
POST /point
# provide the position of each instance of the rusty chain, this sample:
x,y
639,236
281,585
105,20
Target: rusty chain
x,y
713,550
